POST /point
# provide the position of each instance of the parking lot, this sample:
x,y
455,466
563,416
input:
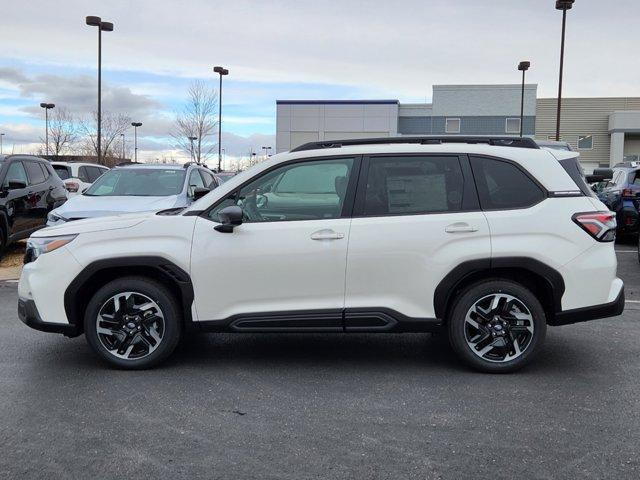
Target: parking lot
x,y
324,406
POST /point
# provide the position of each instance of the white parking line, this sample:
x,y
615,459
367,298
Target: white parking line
x,y
626,251
632,301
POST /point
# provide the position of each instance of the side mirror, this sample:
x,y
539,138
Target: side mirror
x,y
230,217
16,184
199,192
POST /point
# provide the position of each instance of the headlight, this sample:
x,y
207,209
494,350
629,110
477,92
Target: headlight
x,y
41,245
54,218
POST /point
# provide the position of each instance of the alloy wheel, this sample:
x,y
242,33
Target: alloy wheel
x,y
130,325
498,328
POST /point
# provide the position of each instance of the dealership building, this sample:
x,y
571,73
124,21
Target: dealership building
x,y
604,131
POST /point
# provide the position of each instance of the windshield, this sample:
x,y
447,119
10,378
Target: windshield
x,y
144,182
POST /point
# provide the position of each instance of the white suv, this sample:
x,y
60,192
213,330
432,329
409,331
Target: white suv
x,y
488,239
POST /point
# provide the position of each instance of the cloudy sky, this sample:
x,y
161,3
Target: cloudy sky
x,y
294,49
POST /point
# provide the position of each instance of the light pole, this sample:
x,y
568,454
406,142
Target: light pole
x,y
102,27
135,126
1,135
222,72
266,151
191,140
122,137
563,5
523,67
47,107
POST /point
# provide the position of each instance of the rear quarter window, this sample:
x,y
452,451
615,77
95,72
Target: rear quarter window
x,y
503,185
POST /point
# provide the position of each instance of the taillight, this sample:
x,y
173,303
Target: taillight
x,y
71,186
600,225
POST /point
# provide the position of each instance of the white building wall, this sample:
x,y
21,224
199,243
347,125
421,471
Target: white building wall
x,y
302,122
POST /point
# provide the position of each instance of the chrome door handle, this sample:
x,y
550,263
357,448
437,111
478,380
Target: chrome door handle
x,y
326,234
460,227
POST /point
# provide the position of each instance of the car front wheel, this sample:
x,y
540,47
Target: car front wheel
x,y
133,323
497,326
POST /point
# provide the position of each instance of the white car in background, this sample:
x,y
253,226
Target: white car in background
x,y
137,188
77,176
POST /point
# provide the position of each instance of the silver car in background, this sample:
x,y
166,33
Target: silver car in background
x,y
137,188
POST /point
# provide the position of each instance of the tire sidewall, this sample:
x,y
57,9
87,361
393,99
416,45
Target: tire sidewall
x,y
159,294
474,293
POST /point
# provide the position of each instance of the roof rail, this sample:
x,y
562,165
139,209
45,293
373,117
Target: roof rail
x,y
520,142
124,164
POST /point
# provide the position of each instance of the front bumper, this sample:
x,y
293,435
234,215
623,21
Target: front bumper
x,y
29,315
592,312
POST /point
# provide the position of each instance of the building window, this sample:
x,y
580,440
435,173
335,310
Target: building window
x,y
512,125
452,125
585,142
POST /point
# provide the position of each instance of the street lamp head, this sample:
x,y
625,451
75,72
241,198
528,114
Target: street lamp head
x,y
106,26
47,105
43,105
93,21
193,138
524,66
221,70
136,124
564,4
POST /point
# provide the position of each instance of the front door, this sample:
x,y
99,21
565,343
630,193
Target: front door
x,y
17,200
284,267
416,218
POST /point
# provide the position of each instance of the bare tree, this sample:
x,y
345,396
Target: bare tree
x,y
112,126
63,132
197,119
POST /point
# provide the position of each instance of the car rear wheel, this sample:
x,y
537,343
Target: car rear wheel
x,y
133,323
497,326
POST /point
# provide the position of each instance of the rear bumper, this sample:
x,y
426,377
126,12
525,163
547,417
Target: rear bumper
x,y
592,312
29,315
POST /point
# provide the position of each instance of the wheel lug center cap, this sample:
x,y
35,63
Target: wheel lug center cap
x,y
131,325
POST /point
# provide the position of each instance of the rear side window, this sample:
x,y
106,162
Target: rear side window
x,y
413,185
94,173
83,174
34,172
502,185
573,168
62,171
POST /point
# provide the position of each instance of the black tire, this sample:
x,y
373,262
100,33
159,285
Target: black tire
x,y
458,327
3,239
169,310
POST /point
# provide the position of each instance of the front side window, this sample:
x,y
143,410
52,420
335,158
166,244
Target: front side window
x,y
502,185
413,185
16,173
145,182
94,173
585,142
310,190
512,125
452,125
195,181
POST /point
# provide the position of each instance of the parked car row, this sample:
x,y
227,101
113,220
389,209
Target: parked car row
x,y
36,192
619,190
487,240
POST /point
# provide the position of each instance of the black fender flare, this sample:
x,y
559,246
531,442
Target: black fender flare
x,y
163,268
446,288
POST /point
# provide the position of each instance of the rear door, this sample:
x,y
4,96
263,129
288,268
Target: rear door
x,y
38,194
416,218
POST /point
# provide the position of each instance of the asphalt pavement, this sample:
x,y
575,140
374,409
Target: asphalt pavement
x,y
324,406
